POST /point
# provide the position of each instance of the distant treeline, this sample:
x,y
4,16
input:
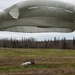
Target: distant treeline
x,y
32,43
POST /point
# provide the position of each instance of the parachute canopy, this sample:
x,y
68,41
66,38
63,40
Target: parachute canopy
x,y
34,16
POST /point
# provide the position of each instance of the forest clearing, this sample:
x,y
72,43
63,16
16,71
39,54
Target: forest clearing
x,y
47,61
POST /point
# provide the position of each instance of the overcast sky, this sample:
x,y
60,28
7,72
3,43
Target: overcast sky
x,y
40,36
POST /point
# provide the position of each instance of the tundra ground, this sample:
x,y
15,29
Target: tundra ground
x,y
47,62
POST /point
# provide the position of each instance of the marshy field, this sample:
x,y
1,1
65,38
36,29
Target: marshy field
x,y
47,61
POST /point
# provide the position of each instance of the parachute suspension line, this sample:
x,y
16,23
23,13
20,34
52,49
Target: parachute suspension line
x,y
55,16
46,15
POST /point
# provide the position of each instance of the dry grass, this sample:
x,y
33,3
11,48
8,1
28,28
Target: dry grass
x,y
48,62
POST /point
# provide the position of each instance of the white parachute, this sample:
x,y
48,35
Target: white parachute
x,y
34,16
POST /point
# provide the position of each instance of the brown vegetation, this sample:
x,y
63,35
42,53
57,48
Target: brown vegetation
x,y
47,61
62,66
32,43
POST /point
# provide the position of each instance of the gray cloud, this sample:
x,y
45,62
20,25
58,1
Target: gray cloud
x,y
7,3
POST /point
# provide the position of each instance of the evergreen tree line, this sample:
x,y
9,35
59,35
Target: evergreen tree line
x,y
32,43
